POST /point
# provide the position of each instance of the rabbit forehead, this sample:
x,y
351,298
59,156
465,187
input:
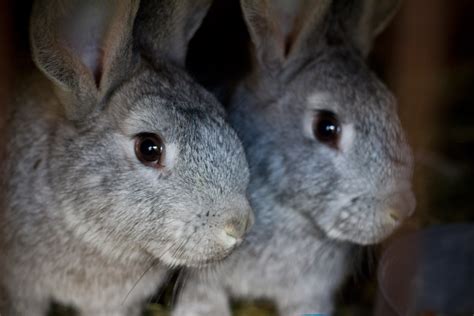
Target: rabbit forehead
x,y
151,113
318,100
347,88
165,82
163,105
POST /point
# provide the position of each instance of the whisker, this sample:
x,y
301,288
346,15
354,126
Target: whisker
x,y
139,279
178,285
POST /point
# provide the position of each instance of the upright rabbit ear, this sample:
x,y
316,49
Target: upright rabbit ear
x,y
165,27
365,19
84,47
283,29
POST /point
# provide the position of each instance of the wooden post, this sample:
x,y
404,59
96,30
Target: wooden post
x,y
415,74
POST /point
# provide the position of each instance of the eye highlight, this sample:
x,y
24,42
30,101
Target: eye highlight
x,y
149,149
327,128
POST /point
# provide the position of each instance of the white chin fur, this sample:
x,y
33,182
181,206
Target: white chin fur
x,y
362,237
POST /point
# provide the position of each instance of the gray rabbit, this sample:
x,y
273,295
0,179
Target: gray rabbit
x,y
330,167
119,165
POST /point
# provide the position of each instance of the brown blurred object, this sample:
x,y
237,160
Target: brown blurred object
x,y
5,77
5,57
419,43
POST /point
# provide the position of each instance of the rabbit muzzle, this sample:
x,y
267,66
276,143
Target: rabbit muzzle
x,y
401,205
236,227
367,219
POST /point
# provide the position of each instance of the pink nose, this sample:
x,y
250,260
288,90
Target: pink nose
x,y
401,205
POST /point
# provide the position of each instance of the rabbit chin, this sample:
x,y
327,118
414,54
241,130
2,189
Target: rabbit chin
x,y
197,256
363,236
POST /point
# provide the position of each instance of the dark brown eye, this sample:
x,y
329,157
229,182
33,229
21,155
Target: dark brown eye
x,y
149,149
326,128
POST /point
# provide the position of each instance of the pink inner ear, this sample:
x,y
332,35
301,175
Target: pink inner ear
x,y
288,20
295,20
289,40
84,34
292,36
92,58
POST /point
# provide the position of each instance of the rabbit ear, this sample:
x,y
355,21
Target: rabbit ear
x,y
365,19
283,29
165,27
84,47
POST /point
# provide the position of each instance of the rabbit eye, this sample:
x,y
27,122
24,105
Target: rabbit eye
x,y
149,149
326,128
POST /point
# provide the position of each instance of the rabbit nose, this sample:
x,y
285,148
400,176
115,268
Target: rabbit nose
x,y
237,228
233,233
240,219
401,205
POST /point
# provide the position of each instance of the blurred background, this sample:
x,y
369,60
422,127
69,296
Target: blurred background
x,y
426,57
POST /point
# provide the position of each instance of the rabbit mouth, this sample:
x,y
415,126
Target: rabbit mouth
x,y
317,230
198,259
195,262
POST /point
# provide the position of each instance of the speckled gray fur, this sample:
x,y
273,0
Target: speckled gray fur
x,y
313,203
87,224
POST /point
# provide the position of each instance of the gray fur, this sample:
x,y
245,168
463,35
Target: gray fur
x,y
312,202
86,223
178,20
365,19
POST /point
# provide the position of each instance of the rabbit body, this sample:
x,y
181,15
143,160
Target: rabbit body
x,y
330,167
42,257
86,222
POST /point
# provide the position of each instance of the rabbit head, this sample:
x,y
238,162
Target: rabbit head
x,y
321,132
142,159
